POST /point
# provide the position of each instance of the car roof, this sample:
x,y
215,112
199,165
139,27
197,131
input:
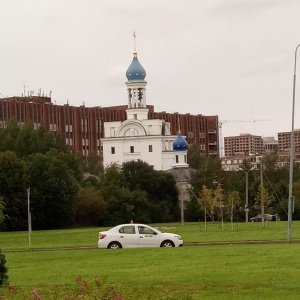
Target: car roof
x,y
130,224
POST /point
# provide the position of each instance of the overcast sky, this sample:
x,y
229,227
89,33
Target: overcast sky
x,y
231,58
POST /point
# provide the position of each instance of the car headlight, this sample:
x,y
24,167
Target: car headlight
x,y
178,237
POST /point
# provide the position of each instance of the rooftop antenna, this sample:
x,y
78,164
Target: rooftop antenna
x,y
50,94
24,86
134,44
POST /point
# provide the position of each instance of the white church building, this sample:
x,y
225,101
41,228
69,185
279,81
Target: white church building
x,y
140,138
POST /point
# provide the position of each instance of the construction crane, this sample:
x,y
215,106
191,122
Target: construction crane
x,y
220,124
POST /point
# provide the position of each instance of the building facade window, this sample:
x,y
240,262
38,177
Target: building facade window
x,y
113,150
177,160
131,149
150,148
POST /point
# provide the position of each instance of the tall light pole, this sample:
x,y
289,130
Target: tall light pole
x,y
247,193
247,201
29,217
292,150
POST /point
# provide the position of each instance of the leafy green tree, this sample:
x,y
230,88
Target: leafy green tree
x,y
13,186
233,204
195,156
208,170
3,270
206,202
53,189
264,200
8,136
26,140
89,208
139,175
136,191
219,202
160,187
1,210
112,188
92,164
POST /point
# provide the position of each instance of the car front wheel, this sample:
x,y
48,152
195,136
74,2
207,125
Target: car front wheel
x,y
114,245
167,244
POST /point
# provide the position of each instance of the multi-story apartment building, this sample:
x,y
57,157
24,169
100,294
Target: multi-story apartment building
x,y
284,145
244,144
82,126
270,144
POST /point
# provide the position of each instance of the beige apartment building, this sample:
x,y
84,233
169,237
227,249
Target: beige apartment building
x,y
245,144
284,145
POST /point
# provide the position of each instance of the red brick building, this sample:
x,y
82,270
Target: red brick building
x,y
83,126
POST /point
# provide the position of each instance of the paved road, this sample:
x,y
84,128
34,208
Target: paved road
x,y
185,245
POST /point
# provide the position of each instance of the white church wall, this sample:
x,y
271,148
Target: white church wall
x,y
110,128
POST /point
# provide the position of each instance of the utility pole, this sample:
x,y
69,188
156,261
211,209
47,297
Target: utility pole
x,y
181,204
29,218
262,193
247,200
292,152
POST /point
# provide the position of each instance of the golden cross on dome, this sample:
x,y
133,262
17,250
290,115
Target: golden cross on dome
x,y
134,44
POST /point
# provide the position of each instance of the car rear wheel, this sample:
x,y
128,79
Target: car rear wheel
x,y
114,245
167,244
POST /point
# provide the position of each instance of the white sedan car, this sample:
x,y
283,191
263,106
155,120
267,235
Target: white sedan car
x,y
137,236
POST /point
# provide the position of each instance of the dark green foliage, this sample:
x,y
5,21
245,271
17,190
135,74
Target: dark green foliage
x,y
13,186
208,170
53,188
3,270
92,164
159,186
193,211
89,208
27,140
2,205
137,192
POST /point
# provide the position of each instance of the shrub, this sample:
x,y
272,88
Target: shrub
x,y
3,269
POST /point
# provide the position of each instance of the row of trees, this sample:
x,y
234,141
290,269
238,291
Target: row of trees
x,y
67,189
208,177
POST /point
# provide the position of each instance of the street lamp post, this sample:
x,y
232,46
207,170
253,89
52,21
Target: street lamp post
x,y
29,217
290,203
247,193
247,200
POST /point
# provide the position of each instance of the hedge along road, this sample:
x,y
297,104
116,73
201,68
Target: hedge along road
x,y
185,245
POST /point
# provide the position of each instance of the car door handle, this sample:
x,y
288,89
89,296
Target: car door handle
x,y
141,237
121,236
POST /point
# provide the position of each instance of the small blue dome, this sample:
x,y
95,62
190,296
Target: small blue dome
x,y
135,72
180,144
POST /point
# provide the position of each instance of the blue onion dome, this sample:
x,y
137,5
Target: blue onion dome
x,y
135,72
180,144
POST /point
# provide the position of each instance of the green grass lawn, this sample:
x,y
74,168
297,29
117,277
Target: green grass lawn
x,y
191,232
264,271
207,272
